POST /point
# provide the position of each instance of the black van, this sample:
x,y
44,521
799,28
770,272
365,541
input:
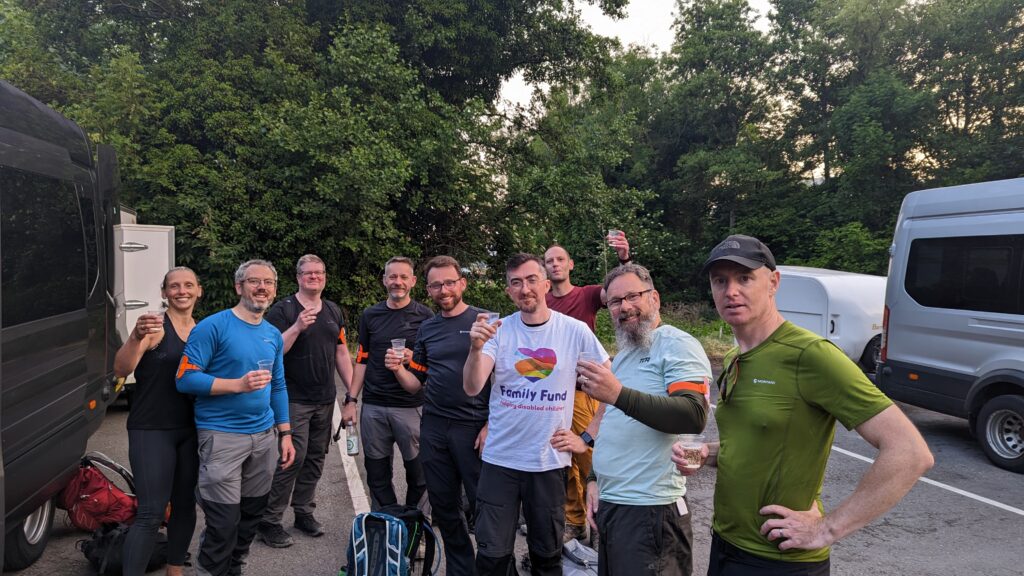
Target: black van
x,y
57,330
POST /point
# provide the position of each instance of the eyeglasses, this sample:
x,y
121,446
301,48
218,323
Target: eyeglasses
x,y
310,273
728,379
436,286
518,283
256,282
632,298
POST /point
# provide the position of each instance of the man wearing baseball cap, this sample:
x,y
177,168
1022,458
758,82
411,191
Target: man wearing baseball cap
x,y
781,392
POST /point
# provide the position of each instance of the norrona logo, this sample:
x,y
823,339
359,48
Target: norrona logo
x,y
760,381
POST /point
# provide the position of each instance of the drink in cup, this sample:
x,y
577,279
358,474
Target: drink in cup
x,y
266,364
398,345
493,317
159,316
613,233
692,445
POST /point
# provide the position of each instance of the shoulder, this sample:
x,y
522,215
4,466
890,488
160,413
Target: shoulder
x,y
794,336
668,335
373,310
592,290
422,309
566,322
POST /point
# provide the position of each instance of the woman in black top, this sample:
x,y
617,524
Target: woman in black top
x,y
162,444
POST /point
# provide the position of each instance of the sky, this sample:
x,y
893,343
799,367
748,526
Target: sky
x,y
647,23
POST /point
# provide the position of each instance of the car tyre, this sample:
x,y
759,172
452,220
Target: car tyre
x,y
1000,429
25,543
872,355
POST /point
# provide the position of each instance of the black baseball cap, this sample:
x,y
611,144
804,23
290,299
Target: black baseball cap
x,y
743,250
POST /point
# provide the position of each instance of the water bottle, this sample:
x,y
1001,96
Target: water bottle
x,y
351,439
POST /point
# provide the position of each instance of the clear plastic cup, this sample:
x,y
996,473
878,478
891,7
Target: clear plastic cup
x,y
692,447
398,345
613,233
493,317
160,316
266,364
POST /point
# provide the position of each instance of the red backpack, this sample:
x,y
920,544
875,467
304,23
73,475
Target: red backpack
x,y
92,500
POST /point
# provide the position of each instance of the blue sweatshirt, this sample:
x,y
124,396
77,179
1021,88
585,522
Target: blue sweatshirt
x,y
225,346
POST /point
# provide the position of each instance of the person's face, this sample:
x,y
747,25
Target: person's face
x,y
527,286
399,280
181,290
743,297
257,289
445,287
312,277
634,308
558,264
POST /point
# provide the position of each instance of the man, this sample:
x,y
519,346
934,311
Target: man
x,y
390,414
314,349
533,354
780,395
228,362
655,390
454,424
581,303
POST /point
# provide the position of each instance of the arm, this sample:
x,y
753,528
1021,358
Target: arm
x,y
343,364
903,456
348,413
478,365
409,381
679,413
143,337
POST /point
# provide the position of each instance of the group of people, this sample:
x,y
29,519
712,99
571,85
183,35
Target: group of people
x,y
499,419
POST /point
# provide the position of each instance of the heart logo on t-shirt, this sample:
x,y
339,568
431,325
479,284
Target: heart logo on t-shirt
x,y
536,364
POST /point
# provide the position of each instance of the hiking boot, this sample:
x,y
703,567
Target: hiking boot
x,y
308,525
273,535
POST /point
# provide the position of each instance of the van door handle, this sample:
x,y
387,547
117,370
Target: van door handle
x,y
135,304
133,247
831,326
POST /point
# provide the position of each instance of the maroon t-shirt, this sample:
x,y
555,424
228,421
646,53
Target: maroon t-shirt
x,y
581,303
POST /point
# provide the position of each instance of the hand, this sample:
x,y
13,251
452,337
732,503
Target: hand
x,y
306,319
147,324
393,360
348,412
568,441
481,439
805,530
254,380
287,451
481,331
593,499
598,381
679,459
620,245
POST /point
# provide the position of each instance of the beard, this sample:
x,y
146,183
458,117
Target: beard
x,y
639,334
253,307
455,301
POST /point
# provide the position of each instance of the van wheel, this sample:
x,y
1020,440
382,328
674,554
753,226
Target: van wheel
x,y
872,355
25,543
1000,429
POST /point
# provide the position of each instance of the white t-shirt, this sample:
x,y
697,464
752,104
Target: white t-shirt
x,y
533,391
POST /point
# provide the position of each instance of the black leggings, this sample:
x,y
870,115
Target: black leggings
x,y
165,464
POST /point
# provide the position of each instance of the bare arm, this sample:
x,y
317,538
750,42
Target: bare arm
x,y
143,337
343,364
478,365
903,456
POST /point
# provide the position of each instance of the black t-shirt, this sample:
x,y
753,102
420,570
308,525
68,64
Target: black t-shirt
x,y
157,404
440,353
377,327
309,365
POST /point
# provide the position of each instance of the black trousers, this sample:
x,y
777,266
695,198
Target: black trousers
x,y
500,494
728,560
644,540
451,466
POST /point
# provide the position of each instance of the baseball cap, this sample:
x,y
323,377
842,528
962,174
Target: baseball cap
x,y
743,250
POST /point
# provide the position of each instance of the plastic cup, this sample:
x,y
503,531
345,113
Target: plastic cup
x,y
493,317
160,316
692,446
613,233
267,364
398,345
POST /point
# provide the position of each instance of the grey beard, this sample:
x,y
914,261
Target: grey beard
x,y
642,336
253,307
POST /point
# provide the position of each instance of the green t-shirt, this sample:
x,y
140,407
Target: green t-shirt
x,y
776,427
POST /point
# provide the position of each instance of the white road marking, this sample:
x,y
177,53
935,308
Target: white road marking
x,y
360,502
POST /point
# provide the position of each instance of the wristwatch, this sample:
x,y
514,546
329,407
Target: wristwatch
x,y
626,261
287,432
349,399
587,438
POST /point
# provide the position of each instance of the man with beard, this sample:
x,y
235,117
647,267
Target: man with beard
x,y
228,362
656,389
533,354
390,415
454,424
582,303
314,350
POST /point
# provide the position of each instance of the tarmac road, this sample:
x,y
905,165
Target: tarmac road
x,y
965,519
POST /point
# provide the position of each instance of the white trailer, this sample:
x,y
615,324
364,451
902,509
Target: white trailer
x,y
845,307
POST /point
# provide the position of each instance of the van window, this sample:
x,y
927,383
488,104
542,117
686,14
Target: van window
x,y
979,273
43,270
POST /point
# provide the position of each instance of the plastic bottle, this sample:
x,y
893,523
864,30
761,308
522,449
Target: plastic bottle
x,y
351,438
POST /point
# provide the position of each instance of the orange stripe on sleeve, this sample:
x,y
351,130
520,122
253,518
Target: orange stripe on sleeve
x,y
185,366
341,337
417,367
698,387
361,355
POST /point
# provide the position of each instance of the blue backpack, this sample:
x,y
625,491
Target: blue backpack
x,y
383,543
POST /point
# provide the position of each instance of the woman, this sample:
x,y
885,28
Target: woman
x,y
162,444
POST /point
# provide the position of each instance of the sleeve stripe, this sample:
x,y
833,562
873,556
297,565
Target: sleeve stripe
x,y
185,366
698,387
417,367
341,337
361,355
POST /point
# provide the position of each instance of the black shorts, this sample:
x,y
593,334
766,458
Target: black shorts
x,y
728,560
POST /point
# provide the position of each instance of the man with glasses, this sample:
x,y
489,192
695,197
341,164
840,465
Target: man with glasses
x,y
533,354
656,389
390,415
779,398
313,330
454,424
233,365
581,303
